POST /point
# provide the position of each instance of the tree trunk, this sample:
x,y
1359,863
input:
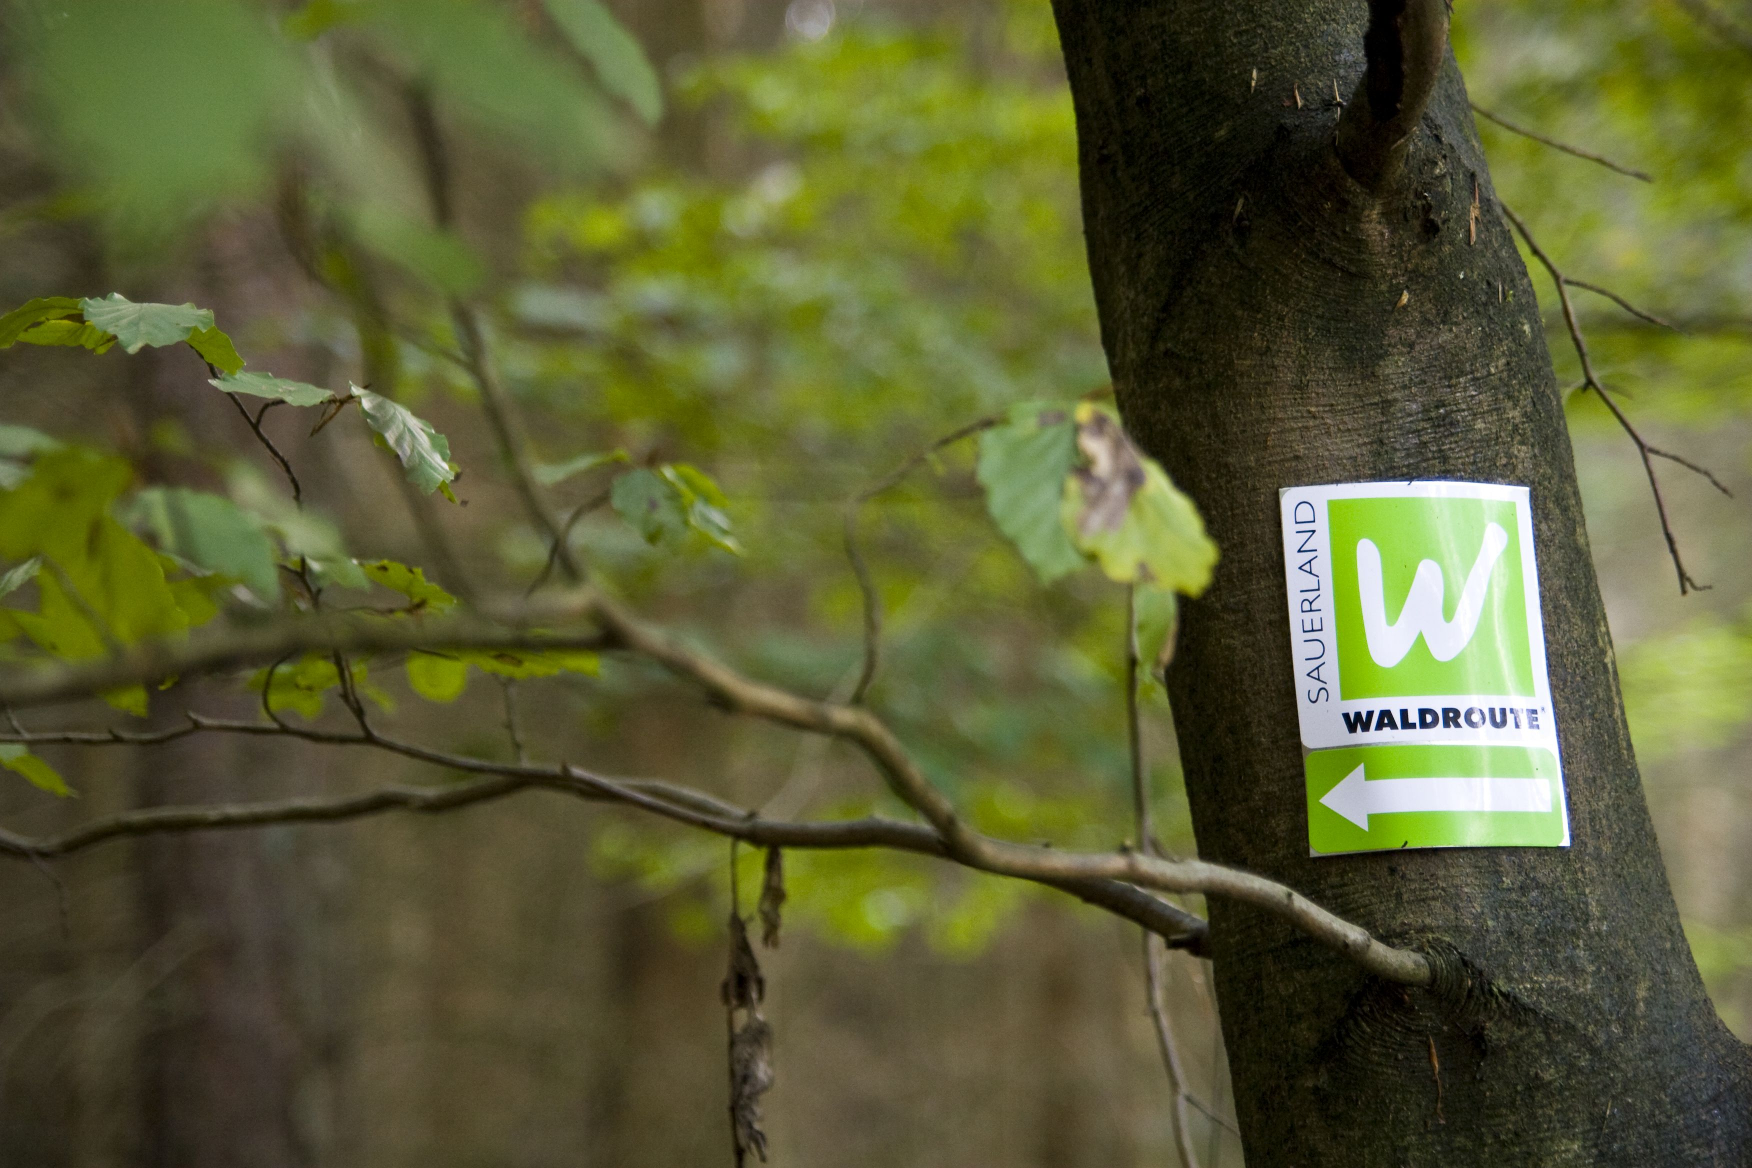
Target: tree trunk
x,y
1270,322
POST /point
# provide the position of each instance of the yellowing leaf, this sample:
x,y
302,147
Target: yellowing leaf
x,y
1121,509
539,663
422,594
18,759
32,313
68,334
436,677
300,685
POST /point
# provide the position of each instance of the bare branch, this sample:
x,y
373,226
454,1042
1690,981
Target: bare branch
x,y
1405,47
686,805
1591,381
867,586
152,661
737,694
1576,151
858,726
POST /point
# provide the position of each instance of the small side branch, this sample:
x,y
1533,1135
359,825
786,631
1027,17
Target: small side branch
x,y
1153,971
861,570
1575,151
1405,47
1621,302
1590,380
496,403
255,425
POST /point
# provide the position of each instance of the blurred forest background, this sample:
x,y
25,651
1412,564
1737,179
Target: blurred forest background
x,y
813,238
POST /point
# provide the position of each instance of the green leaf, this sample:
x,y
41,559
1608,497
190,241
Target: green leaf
x,y
161,111
300,685
649,502
20,575
17,758
422,594
216,350
1023,465
553,473
293,393
436,256
436,677
479,60
422,450
211,532
23,442
139,325
71,334
61,512
702,503
12,473
1122,510
620,64
33,312
1158,616
304,534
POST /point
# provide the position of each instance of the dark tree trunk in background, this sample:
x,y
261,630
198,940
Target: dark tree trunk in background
x,y
1250,298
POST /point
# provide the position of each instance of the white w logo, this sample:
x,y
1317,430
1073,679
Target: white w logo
x,y
1422,614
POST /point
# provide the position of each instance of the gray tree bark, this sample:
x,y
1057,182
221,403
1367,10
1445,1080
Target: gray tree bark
x,y
1272,321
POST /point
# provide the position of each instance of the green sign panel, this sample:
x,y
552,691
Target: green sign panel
x,y
1367,798
1421,682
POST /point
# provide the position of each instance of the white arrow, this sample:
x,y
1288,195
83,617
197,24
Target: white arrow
x,y
1356,799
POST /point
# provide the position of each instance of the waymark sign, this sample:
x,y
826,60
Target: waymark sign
x,y
1421,683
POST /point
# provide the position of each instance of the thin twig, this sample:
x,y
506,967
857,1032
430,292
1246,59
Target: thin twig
x,y
1695,468
578,512
861,570
255,424
1576,151
1140,786
1170,1053
1621,302
1140,780
1591,381
496,403
512,730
